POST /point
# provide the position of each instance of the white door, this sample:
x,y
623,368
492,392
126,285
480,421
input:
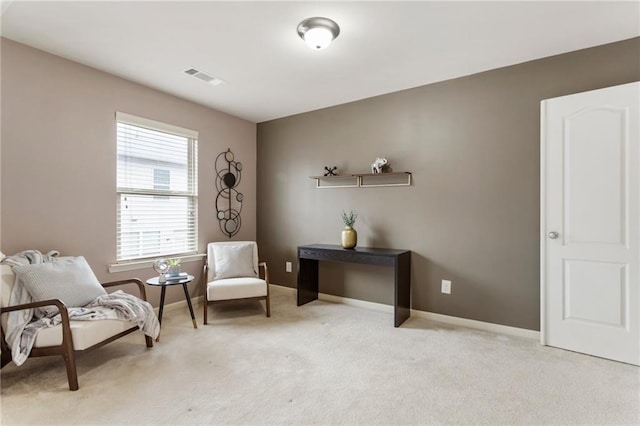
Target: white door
x,y
590,230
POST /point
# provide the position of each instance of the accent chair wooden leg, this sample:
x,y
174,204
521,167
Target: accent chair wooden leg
x,y
6,357
205,302
149,341
268,307
72,374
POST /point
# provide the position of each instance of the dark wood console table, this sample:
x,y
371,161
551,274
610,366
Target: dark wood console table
x,y
400,260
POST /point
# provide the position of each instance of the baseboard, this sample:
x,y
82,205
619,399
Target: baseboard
x,y
357,303
284,287
478,325
181,304
446,319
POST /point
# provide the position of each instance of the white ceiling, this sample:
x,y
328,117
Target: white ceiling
x,y
270,73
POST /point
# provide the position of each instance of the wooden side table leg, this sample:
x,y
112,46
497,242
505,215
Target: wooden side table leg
x,y
163,289
186,295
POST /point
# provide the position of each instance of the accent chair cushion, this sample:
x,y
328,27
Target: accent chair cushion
x,y
236,288
234,260
71,280
83,333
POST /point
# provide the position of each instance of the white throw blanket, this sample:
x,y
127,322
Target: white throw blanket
x,y
117,305
23,328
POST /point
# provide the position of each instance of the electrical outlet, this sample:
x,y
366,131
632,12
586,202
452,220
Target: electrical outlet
x,y
287,266
446,287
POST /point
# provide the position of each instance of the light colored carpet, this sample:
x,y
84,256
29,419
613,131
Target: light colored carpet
x,y
322,363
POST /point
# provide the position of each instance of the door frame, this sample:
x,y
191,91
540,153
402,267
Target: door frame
x,y
543,222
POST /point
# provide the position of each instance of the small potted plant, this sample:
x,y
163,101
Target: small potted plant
x,y
174,267
349,235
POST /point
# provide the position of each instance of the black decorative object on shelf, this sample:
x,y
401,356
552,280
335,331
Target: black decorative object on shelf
x,y
229,200
331,171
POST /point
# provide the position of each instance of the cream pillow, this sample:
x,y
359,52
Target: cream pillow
x,y
71,280
234,261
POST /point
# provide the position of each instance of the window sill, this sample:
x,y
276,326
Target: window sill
x,y
132,266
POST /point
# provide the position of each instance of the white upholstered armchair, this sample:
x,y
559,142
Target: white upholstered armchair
x,y
60,287
232,273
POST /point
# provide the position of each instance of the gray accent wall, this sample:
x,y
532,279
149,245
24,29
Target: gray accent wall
x,y
472,214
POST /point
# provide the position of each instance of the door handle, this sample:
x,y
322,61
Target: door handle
x,y
553,235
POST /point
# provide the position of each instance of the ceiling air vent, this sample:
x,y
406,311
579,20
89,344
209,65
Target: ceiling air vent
x,y
204,76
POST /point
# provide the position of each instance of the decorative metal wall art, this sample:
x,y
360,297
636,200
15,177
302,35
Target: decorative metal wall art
x,y
229,200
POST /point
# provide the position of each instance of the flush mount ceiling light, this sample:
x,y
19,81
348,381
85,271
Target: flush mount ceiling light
x,y
318,32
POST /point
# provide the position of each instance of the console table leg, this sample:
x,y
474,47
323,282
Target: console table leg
x,y
402,297
307,280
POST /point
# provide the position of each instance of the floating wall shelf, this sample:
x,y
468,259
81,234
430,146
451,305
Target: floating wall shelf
x,y
363,180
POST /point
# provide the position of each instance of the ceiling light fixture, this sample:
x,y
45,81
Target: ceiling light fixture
x,y
318,32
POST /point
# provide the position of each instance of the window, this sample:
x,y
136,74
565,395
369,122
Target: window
x,y
157,189
161,179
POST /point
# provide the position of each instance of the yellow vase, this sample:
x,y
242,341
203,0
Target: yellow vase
x,y
349,237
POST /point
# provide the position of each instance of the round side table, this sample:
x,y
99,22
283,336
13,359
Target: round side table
x,y
182,280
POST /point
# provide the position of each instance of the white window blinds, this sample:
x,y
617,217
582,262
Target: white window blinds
x,y
157,189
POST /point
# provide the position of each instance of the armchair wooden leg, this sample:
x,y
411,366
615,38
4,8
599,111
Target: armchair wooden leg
x,y
149,341
72,374
268,307
205,302
68,354
6,357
